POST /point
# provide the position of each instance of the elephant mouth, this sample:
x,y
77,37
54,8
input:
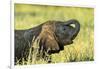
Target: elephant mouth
x,y
67,42
70,41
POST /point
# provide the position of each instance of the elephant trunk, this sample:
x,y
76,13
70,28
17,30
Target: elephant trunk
x,y
77,27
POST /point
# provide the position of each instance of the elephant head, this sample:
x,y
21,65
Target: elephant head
x,y
66,33
55,34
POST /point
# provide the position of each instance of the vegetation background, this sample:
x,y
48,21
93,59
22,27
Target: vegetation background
x,y
28,15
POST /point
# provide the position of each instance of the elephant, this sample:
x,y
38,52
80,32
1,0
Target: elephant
x,y
51,36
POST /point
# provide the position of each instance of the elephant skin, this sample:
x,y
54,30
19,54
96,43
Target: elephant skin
x,y
52,36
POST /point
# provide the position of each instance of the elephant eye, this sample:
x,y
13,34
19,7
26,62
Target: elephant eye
x,y
64,28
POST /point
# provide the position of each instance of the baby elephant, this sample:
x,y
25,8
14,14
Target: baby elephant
x,y
51,36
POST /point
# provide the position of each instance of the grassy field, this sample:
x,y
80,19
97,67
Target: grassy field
x,y
27,16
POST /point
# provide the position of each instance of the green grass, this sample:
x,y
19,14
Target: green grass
x,y
27,16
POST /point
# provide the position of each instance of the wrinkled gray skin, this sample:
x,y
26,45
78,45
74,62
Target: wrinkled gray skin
x,y
64,33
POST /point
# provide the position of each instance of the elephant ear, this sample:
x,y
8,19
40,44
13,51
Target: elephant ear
x,y
47,39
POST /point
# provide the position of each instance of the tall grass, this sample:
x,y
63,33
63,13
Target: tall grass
x,y
27,16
